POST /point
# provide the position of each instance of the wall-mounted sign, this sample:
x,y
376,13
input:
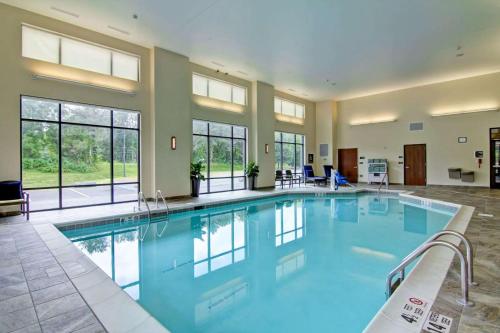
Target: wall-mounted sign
x,y
310,158
462,139
479,154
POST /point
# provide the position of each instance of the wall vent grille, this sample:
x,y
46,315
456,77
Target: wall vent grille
x,y
418,126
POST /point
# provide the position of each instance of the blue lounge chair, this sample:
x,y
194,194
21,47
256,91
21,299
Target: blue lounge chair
x,y
341,180
310,177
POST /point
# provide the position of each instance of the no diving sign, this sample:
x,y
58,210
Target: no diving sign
x,y
415,312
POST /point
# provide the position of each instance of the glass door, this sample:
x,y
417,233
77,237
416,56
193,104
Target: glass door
x,y
495,157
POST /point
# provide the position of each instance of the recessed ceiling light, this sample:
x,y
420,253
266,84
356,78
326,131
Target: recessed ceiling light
x,y
119,30
217,64
65,12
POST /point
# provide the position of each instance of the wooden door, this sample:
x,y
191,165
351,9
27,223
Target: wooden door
x,y
415,165
348,164
495,157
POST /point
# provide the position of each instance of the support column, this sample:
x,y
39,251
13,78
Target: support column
x,y
326,114
171,89
263,132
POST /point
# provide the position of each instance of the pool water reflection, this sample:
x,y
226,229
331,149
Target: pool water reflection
x,y
274,265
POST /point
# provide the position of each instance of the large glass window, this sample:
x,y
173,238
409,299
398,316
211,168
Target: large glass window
x,y
213,88
223,148
289,150
78,155
48,46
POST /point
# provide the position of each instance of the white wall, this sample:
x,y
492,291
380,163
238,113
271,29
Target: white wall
x,y
325,117
440,134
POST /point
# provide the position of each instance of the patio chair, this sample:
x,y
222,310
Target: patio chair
x,y
280,178
11,193
341,180
294,179
310,177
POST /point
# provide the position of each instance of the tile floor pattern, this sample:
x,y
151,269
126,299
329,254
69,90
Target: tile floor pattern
x,y
36,294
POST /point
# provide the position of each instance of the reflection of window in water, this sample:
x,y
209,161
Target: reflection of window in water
x,y
117,254
289,221
221,243
345,209
290,264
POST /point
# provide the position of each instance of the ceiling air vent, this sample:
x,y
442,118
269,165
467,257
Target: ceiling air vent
x,y
417,126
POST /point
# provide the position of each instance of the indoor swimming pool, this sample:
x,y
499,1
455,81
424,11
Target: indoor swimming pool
x,y
290,263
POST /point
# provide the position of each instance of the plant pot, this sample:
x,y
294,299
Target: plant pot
x,y
195,187
251,183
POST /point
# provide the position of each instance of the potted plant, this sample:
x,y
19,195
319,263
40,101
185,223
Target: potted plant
x,y
252,171
196,177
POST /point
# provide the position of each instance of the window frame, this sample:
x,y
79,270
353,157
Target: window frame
x,y
111,51
60,124
280,142
231,85
295,104
232,138
207,219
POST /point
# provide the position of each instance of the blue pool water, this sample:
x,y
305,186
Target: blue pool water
x,y
286,264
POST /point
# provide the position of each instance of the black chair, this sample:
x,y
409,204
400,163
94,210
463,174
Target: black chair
x,y
294,179
280,178
11,193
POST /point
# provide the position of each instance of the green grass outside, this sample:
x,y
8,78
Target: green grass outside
x,y
102,174
35,178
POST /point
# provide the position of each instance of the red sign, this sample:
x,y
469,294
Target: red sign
x,y
416,301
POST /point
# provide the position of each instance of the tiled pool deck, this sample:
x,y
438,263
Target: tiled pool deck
x,y
42,277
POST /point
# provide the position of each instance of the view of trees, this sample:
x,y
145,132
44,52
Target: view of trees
x,y
85,149
227,154
289,150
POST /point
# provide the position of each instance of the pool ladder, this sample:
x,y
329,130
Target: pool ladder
x,y
159,195
142,199
466,264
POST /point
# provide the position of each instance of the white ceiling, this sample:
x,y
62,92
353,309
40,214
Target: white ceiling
x,y
365,46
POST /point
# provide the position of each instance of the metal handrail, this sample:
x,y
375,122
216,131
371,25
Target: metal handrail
x,y
159,195
382,182
141,197
468,251
421,250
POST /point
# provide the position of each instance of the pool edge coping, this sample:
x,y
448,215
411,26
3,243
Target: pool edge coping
x,y
420,283
118,312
